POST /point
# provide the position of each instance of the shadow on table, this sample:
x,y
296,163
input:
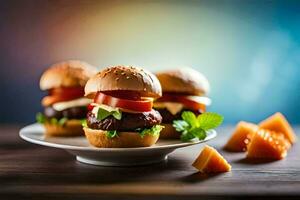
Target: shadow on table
x,y
198,177
254,161
163,171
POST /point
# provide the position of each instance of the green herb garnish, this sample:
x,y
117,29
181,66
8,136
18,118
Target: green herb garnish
x,y
192,127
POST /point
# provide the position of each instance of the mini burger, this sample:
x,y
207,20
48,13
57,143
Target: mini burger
x,y
65,105
183,89
121,114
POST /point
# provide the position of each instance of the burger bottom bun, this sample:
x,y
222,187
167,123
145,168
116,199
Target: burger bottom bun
x,y
72,127
169,132
98,138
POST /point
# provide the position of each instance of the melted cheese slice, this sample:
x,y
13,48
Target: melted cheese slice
x,y
59,106
172,107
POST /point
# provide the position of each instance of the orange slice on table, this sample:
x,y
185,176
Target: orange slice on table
x,y
241,136
267,144
278,123
210,161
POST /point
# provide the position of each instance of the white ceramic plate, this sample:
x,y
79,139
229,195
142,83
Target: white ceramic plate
x,y
86,153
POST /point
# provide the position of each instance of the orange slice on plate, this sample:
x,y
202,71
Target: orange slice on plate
x,y
278,123
210,161
241,136
267,144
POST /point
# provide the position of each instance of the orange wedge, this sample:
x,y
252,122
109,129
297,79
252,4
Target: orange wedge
x,y
210,161
241,136
278,123
267,144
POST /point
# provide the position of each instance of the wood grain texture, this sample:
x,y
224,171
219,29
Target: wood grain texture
x,y
29,171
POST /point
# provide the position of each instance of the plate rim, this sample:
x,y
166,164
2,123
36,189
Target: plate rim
x,y
22,133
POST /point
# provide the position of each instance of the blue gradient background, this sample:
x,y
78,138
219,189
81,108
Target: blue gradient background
x,y
249,50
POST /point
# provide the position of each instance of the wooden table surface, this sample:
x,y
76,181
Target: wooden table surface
x,y
29,171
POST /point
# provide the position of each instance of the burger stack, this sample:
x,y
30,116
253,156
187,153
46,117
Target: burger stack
x,y
120,106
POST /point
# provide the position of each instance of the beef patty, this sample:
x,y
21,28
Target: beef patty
x,y
128,122
168,117
70,113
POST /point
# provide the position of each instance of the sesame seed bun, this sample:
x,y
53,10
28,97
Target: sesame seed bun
x,y
72,73
183,80
98,138
124,78
72,127
169,132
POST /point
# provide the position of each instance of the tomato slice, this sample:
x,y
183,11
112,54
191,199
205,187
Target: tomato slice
x,y
67,92
90,107
49,100
62,94
143,105
192,102
189,103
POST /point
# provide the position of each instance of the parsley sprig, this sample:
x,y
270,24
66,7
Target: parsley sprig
x,y
193,127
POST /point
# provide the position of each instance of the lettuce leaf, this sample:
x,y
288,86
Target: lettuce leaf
x,y
111,134
42,119
84,123
103,112
154,130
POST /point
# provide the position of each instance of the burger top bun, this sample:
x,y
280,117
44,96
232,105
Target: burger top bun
x,y
72,73
124,78
183,80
